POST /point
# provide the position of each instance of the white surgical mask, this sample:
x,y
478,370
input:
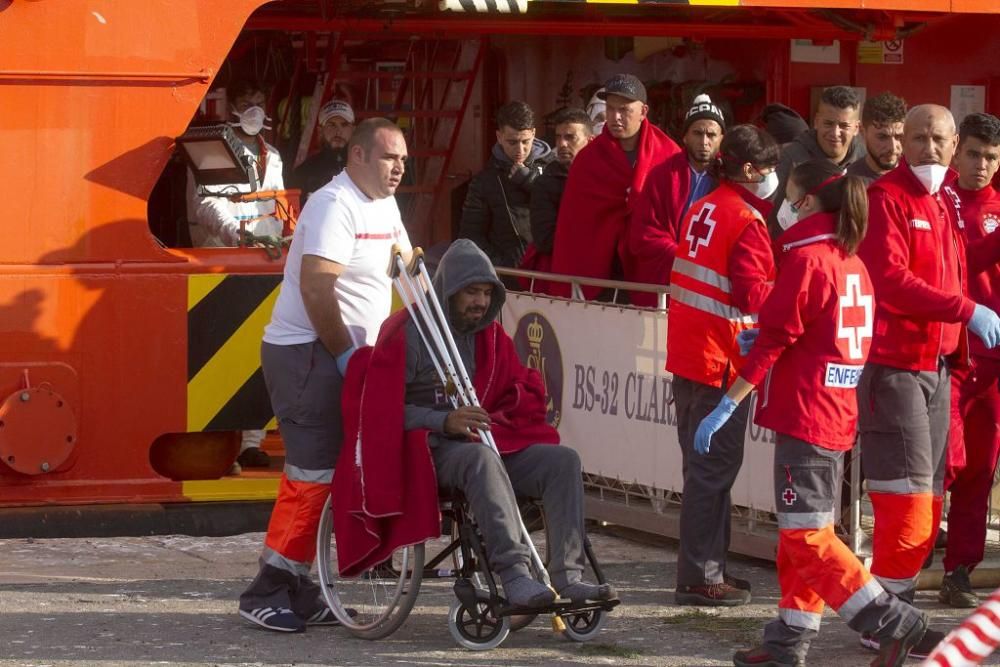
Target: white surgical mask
x,y
764,188
788,215
931,176
598,128
252,120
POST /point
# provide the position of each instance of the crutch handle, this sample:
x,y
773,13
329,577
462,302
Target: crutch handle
x,y
414,266
396,252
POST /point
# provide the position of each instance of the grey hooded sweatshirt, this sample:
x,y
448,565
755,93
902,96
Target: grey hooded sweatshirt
x,y
805,148
462,265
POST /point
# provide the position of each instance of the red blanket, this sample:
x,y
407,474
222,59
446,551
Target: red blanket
x,y
656,223
597,204
384,486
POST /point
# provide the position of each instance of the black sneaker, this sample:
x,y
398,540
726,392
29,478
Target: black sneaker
x,y
893,652
920,651
759,656
254,457
956,590
278,619
736,582
711,595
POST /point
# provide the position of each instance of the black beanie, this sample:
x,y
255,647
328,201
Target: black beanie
x,y
703,109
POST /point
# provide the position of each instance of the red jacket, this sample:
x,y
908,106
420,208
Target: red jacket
x,y
656,223
384,486
980,216
915,254
721,277
597,204
815,333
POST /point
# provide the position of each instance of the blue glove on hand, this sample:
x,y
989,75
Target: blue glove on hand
x,y
986,325
343,358
715,420
746,339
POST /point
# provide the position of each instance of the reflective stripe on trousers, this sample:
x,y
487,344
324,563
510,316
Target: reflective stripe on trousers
x,y
291,532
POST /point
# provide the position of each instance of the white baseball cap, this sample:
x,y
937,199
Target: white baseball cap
x,y
336,108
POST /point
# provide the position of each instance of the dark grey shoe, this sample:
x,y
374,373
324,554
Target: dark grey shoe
x,y
711,595
956,590
893,652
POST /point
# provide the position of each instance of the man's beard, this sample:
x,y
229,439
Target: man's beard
x,y
463,324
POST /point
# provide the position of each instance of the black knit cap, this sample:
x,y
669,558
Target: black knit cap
x,y
624,85
702,108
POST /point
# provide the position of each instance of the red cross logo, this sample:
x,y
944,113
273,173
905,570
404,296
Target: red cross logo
x,y
855,317
700,230
789,496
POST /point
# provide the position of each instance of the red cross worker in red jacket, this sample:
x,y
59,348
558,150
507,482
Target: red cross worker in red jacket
x,y
815,333
915,253
974,442
721,275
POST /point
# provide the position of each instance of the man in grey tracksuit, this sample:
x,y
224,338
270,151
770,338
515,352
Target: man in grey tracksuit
x,y
472,296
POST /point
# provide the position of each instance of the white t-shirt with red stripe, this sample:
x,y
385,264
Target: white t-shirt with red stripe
x,y
341,224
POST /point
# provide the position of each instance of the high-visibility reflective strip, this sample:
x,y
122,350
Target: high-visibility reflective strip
x,y
797,520
800,619
897,586
297,474
709,305
811,239
861,598
899,486
702,274
274,559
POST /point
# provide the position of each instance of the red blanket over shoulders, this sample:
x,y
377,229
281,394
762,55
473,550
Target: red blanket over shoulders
x,y
656,224
384,490
597,204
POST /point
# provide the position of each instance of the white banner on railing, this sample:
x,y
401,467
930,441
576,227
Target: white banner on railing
x,y
610,396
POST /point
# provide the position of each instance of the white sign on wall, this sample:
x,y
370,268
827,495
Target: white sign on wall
x,y
966,100
611,398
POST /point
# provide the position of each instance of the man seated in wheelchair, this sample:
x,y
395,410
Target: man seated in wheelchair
x,y
385,490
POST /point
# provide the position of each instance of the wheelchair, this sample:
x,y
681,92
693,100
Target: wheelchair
x,y
376,603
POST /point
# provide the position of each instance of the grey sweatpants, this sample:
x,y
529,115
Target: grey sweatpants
x,y
706,505
548,473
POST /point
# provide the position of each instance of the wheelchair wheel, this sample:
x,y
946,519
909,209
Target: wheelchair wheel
x,y
477,629
381,598
583,626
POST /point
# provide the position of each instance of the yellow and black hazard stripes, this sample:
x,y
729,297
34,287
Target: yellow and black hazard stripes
x,y
226,319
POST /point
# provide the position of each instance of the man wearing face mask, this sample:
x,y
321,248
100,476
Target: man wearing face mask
x,y
336,124
834,137
602,186
673,187
882,128
333,299
496,214
215,221
915,253
722,274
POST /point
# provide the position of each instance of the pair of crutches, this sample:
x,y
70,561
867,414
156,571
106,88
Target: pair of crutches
x,y
413,284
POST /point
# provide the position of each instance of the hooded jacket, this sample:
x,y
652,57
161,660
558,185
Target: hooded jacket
x,y
496,214
384,485
815,333
805,147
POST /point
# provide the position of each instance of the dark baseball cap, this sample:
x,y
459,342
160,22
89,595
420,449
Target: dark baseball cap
x,y
624,85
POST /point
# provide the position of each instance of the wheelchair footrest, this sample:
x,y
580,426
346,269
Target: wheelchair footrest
x,y
567,607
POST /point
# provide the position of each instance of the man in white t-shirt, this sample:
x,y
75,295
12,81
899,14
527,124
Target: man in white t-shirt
x,y
334,298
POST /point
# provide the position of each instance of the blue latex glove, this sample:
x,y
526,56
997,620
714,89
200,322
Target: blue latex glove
x,y
343,358
715,420
986,325
746,339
